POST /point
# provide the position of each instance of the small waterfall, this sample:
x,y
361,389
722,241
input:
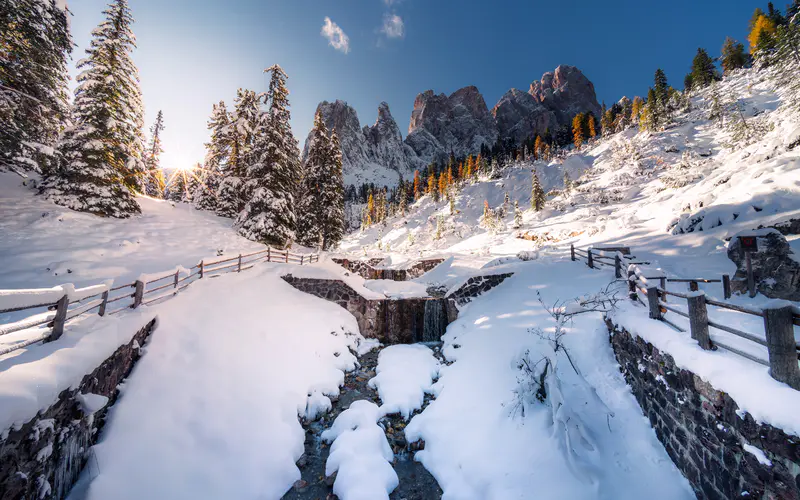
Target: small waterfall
x,y
435,320
73,451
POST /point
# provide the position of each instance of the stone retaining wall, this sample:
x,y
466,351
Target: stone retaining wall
x,y
366,269
392,321
43,458
476,286
702,430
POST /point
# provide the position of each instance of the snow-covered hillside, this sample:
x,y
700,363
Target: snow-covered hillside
x,y
670,195
43,244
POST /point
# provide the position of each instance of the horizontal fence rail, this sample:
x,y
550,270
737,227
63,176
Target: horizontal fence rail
x,y
62,304
782,349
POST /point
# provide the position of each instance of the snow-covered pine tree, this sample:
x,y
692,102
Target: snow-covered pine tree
x,y
34,46
154,177
193,180
177,187
333,221
517,215
310,210
204,196
269,214
537,193
239,133
567,183
101,154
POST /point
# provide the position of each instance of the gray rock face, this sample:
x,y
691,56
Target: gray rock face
x,y
566,92
550,103
775,267
460,123
519,116
370,154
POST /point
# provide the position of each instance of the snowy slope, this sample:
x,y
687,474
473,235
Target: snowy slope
x,y
43,244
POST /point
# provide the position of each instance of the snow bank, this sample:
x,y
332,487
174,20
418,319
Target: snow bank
x,y
211,410
360,454
31,379
404,374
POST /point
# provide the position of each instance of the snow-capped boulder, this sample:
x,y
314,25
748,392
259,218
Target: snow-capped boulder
x,y
370,154
775,267
460,122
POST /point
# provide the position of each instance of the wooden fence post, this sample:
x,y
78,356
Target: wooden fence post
x,y
698,320
201,269
693,287
663,282
590,260
60,318
287,255
138,294
617,266
102,310
572,252
176,280
726,286
301,259
632,284
269,254
781,346
652,302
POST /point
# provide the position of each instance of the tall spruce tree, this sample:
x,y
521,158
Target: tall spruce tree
x,y
154,176
34,46
204,196
218,152
703,70
269,214
333,221
177,187
537,193
733,56
101,154
786,63
310,209
241,131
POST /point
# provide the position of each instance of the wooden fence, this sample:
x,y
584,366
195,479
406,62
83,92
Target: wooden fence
x,y
70,303
779,322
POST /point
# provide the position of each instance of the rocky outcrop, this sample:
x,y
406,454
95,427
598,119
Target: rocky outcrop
x,y
459,123
520,116
550,103
704,431
776,268
368,271
369,154
566,92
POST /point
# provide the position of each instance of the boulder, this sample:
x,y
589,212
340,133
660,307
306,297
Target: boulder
x,y
775,267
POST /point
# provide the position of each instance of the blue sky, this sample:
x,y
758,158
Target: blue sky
x,y
193,53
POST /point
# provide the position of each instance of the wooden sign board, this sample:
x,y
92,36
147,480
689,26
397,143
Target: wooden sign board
x,y
748,244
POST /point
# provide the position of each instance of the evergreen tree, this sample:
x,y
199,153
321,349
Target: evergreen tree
x,y
177,187
687,82
637,106
567,183
762,36
34,46
537,193
650,116
517,215
774,15
733,56
607,122
791,12
661,89
238,131
320,213
204,196
272,179
101,154
703,70
154,176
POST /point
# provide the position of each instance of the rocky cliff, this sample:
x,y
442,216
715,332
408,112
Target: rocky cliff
x,y
550,103
369,154
459,123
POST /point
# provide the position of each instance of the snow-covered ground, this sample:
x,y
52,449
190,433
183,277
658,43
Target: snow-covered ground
x,y
211,409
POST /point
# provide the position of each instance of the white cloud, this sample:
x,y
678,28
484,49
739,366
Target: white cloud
x,y
336,36
393,26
